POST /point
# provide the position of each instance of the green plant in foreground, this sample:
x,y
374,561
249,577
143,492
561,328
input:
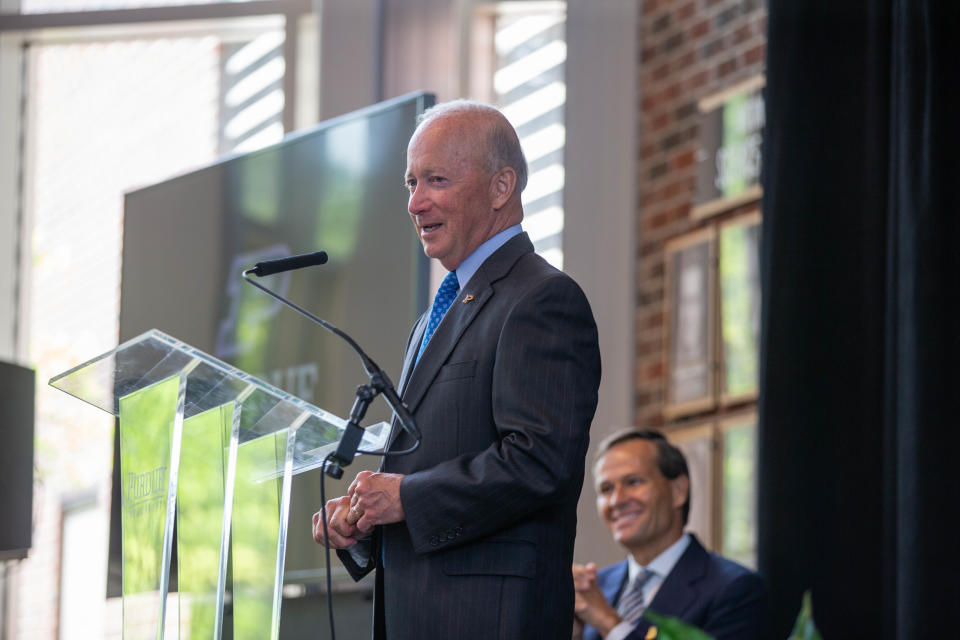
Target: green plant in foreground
x,y
668,628
804,629
673,629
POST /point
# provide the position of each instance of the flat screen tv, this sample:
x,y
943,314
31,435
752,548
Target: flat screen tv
x,y
338,187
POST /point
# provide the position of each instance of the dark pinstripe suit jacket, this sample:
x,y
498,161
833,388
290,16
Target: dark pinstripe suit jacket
x,y
504,395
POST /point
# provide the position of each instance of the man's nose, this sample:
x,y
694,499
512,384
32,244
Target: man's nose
x,y
617,495
417,203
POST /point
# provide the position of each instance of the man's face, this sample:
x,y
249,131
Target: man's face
x,y
641,507
450,190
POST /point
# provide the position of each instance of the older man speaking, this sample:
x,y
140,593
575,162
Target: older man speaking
x,y
471,534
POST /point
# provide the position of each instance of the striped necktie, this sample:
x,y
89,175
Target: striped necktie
x,y
446,294
631,604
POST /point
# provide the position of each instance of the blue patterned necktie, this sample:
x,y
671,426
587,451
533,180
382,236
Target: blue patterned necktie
x,y
446,294
631,603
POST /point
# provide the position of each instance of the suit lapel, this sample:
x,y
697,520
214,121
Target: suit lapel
x,y
459,316
413,346
614,582
445,338
677,593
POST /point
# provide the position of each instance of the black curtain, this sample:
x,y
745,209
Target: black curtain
x,y
859,455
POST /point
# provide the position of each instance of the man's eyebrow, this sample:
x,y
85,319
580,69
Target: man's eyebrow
x,y
426,173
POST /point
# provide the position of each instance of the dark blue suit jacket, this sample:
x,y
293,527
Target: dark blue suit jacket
x,y
704,589
504,395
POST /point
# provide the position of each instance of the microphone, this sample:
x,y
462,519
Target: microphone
x,y
269,267
380,382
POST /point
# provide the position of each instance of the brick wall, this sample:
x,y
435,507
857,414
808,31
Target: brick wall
x,y
689,49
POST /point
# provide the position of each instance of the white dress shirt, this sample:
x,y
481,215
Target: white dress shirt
x,y
660,567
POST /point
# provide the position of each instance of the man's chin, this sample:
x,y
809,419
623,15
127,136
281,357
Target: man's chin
x,y
431,250
443,257
625,536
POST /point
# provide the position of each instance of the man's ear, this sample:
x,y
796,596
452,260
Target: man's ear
x,y
502,185
680,490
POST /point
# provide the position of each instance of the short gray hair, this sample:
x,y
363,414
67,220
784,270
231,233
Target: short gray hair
x,y
503,144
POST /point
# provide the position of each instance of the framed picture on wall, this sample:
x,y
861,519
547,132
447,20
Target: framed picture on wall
x,y
738,488
690,323
739,277
698,444
731,139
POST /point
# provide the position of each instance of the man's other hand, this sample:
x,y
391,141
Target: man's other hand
x,y
375,499
342,532
589,604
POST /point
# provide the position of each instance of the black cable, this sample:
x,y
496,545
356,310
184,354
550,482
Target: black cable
x,y
388,454
326,546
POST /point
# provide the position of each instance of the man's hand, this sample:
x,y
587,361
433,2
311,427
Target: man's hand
x,y
342,533
375,499
577,633
589,604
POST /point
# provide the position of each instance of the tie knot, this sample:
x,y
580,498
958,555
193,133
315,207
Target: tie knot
x,y
446,294
449,285
643,578
639,581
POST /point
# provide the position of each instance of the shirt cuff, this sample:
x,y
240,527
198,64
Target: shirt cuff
x,y
360,555
621,631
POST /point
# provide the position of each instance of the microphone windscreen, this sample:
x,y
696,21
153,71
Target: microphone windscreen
x,y
269,267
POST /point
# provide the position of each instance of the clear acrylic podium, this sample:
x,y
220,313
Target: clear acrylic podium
x,y
217,447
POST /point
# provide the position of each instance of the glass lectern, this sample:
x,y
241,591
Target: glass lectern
x,y
216,447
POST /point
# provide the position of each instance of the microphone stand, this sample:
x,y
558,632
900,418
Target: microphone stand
x,y
380,383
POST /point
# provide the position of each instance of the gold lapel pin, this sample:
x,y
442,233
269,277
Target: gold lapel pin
x,y
467,298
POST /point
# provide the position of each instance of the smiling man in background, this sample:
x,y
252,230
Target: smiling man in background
x,y
643,495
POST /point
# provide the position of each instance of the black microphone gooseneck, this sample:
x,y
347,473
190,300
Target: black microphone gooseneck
x,y
380,383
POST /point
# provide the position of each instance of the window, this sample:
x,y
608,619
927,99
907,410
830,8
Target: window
x,y
526,43
104,109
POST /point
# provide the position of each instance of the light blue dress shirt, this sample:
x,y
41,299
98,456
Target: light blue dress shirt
x,y
472,262
661,566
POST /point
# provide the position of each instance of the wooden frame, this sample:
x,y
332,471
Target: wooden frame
x,y
743,550
698,442
690,323
738,303
715,152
